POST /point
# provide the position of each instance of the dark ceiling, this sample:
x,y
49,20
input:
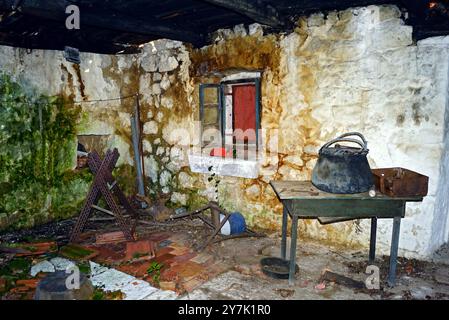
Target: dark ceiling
x,y
119,26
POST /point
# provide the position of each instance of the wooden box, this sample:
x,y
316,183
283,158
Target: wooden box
x,y
400,182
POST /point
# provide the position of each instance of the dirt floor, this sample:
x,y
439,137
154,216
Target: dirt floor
x,y
225,270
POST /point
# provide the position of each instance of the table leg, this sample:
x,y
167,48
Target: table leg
x,y
284,233
372,242
294,233
394,251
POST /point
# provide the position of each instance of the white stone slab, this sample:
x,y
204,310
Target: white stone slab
x,y
138,290
162,295
43,266
96,269
111,280
62,263
224,166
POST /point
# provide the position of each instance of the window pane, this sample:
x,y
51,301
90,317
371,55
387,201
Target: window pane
x,y
210,96
211,136
210,115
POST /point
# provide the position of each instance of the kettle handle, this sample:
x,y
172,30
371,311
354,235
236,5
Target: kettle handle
x,y
363,144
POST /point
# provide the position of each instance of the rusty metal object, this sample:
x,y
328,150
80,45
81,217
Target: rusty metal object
x,y
342,280
400,182
105,185
215,224
215,214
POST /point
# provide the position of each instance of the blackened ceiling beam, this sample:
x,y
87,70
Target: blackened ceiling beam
x,y
256,10
55,10
306,7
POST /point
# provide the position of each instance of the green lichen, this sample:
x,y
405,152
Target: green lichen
x,y
37,155
194,199
126,178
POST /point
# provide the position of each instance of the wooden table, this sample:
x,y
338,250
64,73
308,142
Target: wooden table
x,y
301,200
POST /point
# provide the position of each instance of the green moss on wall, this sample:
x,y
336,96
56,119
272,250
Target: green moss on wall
x,y
126,178
37,155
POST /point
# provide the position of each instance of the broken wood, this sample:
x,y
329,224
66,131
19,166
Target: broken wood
x,y
12,250
342,280
31,249
110,237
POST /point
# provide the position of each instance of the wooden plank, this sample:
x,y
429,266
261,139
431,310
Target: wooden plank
x,y
306,190
55,10
264,14
329,220
313,208
340,279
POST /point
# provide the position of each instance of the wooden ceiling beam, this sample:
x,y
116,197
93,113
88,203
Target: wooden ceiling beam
x,y
55,10
255,10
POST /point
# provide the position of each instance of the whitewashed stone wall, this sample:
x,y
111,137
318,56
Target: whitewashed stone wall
x,y
47,72
355,70
370,77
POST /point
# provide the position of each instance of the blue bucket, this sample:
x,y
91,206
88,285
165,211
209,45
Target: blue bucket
x,y
236,224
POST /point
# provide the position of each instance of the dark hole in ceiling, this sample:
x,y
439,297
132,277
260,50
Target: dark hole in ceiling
x,y
118,26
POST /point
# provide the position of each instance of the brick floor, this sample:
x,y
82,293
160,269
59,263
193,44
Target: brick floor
x,y
183,258
110,237
141,247
162,251
183,269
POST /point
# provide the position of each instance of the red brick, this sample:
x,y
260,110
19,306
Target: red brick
x,y
20,289
169,275
139,247
38,248
188,269
110,237
31,283
163,251
166,259
159,236
185,257
2,284
109,253
137,269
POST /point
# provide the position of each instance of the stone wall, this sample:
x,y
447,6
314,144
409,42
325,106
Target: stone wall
x,y
355,70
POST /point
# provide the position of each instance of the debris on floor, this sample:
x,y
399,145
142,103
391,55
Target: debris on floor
x,y
285,293
333,277
163,264
110,237
77,252
35,249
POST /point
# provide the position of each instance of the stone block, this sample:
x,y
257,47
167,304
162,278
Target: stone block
x,y
150,127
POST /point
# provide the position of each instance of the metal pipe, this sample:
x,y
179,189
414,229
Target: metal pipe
x,y
139,132
103,210
293,240
284,232
137,159
372,242
394,251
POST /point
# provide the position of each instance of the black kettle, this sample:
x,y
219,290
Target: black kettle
x,y
343,169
